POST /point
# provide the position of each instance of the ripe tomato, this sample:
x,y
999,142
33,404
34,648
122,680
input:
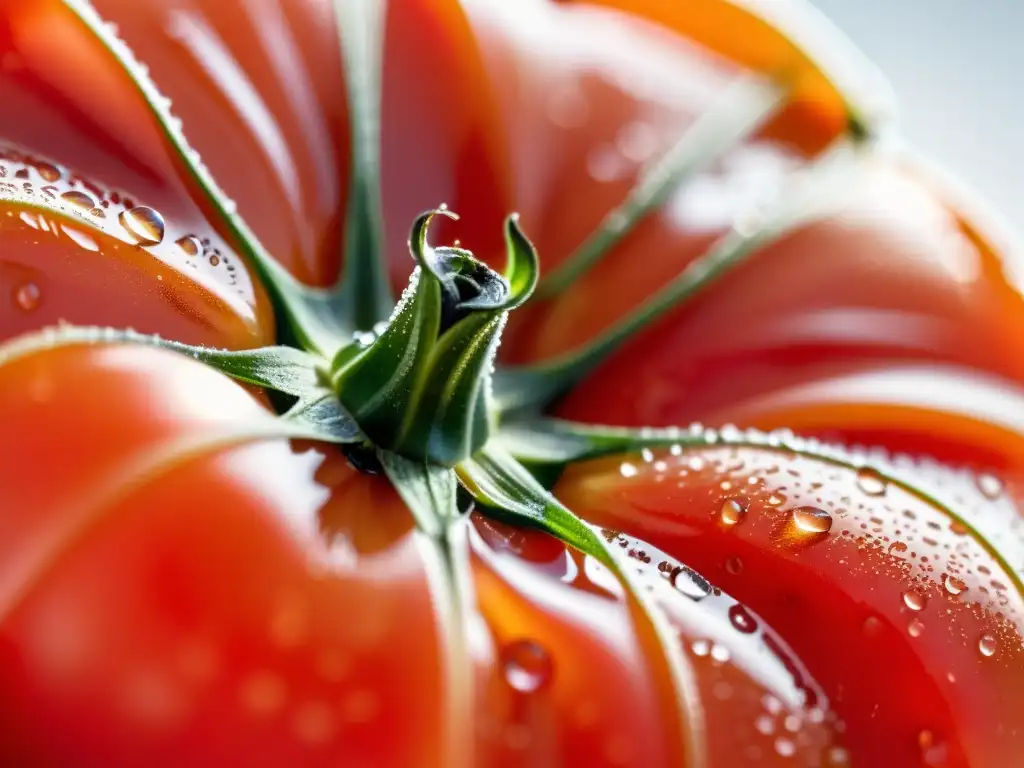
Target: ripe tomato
x,y
181,581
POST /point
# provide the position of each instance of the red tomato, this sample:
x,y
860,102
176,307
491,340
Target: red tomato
x,y
182,584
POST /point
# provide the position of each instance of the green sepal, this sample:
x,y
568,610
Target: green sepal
x,y
431,494
554,443
283,369
364,296
813,193
743,107
495,479
428,490
317,414
422,386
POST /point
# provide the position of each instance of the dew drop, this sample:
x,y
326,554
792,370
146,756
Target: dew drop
x,y
812,520
991,487
987,645
785,747
915,601
144,224
627,470
48,172
190,245
214,259
78,199
526,665
959,528
742,620
605,164
872,626
953,585
732,512
27,296
915,628
79,237
871,482
567,107
637,141
896,547
837,757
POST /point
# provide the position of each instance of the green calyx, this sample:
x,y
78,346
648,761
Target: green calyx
x,y
421,386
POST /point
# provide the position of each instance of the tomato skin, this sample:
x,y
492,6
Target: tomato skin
x,y
79,148
912,628
170,600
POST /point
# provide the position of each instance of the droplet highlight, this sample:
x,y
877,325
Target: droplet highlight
x,y
144,224
27,296
526,666
732,512
812,520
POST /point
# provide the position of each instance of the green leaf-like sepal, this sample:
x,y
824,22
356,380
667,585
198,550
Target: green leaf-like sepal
x,y
429,491
497,480
422,387
317,413
552,444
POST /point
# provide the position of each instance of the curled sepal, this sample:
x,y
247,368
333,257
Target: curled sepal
x,y
496,480
422,386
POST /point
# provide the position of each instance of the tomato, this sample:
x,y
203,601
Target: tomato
x,y
184,578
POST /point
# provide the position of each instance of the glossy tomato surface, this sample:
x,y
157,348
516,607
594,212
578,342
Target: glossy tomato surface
x,y
179,584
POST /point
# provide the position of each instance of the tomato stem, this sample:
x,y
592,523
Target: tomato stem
x,y
421,386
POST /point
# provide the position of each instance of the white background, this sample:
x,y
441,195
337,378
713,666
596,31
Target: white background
x,y
957,67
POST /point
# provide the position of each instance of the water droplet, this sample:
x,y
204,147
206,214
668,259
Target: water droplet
x,y
80,238
627,470
915,601
837,757
959,528
689,582
987,645
78,199
732,512
190,245
785,747
27,296
701,647
637,141
48,172
742,620
719,653
915,628
872,626
991,487
734,565
952,584
812,520
897,547
144,224
871,482
765,725
605,164
567,107
214,259
526,665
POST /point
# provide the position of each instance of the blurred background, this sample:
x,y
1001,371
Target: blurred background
x,y
956,68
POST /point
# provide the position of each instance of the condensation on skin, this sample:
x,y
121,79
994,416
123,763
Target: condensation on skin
x,y
55,193
913,568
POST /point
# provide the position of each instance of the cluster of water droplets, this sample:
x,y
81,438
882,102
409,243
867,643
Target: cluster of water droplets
x,y
60,203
